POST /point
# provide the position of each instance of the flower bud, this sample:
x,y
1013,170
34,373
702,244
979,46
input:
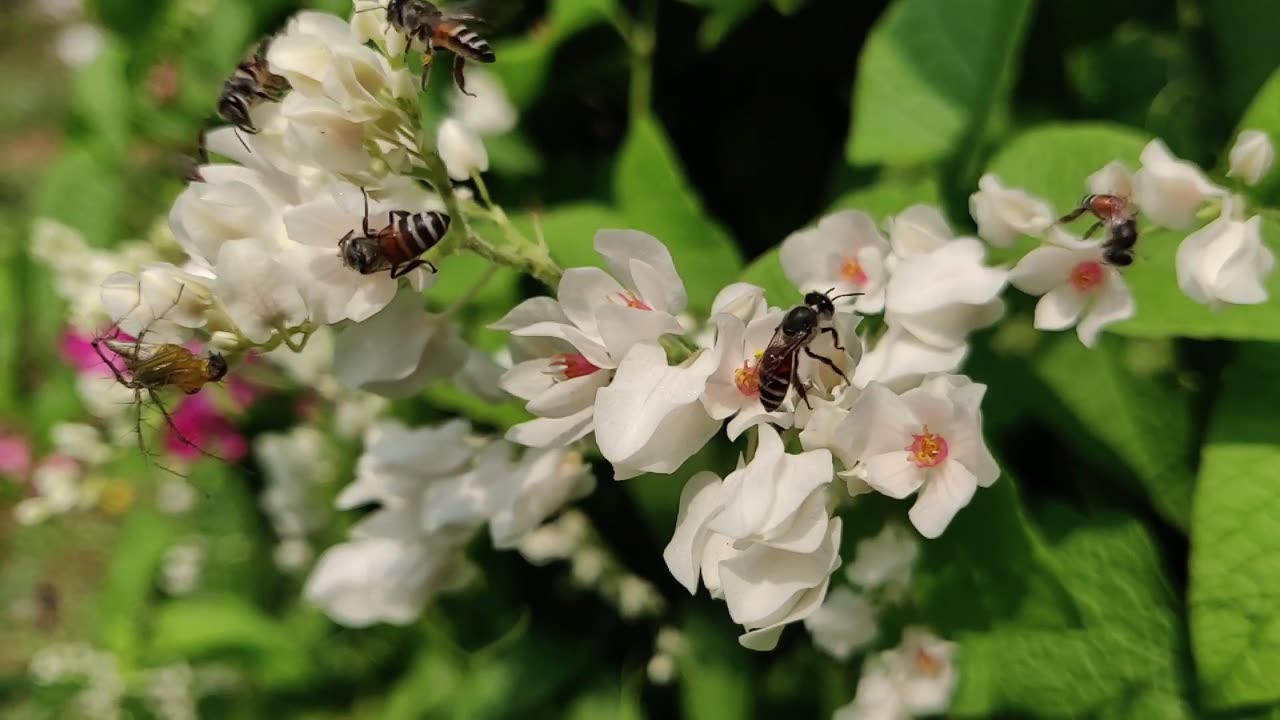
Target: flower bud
x,y
1252,156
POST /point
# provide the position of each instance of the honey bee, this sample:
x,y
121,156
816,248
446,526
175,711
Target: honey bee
x,y
799,327
395,247
434,28
1118,216
152,367
250,84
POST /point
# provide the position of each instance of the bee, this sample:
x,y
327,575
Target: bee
x,y
395,247
250,84
152,367
1118,216
799,327
434,28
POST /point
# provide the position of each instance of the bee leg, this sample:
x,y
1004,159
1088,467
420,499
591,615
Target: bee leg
x,y
459,63
97,347
427,55
405,269
1074,214
174,427
835,338
1092,229
827,361
795,380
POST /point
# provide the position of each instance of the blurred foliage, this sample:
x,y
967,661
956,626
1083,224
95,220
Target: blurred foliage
x,y
1122,568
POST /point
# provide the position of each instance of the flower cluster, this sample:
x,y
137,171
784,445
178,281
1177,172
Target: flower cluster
x,y
1078,280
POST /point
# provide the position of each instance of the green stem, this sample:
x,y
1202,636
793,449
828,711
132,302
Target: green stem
x,y
642,41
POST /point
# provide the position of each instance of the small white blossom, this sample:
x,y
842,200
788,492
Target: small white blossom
x,y
1003,214
1252,156
650,418
257,291
1226,262
1170,190
846,623
461,150
915,679
885,561
399,350
733,389
845,251
928,439
487,110
918,230
899,360
80,442
1113,179
296,465
942,296
1077,287
399,461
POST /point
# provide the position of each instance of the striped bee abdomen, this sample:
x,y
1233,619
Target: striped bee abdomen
x,y
465,42
775,378
420,232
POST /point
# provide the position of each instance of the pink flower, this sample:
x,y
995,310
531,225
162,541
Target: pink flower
x,y
201,423
15,456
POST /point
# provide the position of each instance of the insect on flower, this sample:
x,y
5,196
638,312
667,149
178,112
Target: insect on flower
x,y
250,84
395,247
1118,216
433,28
799,327
150,368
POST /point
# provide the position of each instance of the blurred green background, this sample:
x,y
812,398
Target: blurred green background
x,y
721,126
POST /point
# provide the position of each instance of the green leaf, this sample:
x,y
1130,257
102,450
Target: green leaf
x,y
1235,543
571,16
1264,114
788,7
930,76
570,231
1141,422
228,626
101,98
766,272
722,17
654,196
83,191
715,680
1247,55
523,63
123,601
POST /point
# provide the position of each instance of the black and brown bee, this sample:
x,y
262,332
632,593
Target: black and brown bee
x,y
799,327
149,368
397,246
1118,216
432,28
250,84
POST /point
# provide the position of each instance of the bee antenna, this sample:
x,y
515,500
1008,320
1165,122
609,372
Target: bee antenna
x,y
241,139
845,295
369,9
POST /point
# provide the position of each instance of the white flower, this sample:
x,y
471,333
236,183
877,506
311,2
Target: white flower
x,y
918,230
1252,156
399,350
257,291
562,346
766,588
942,296
650,418
699,503
488,110
295,464
916,678
80,442
900,359
1169,190
733,389
1077,285
232,203
846,622
885,561
928,439
1113,179
322,131
398,462
845,252
461,150
1226,261
333,291
777,499
741,300
161,299
1004,213
79,271
322,57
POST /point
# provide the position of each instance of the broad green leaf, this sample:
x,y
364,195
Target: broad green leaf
x,y
1235,542
84,191
788,7
228,626
523,63
1264,114
654,196
447,396
487,293
1143,423
715,679
101,99
570,16
429,685
570,231
930,77
766,271
123,602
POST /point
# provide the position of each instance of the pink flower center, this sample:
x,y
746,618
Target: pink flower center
x,y
927,449
573,365
1087,275
927,664
851,270
630,300
747,377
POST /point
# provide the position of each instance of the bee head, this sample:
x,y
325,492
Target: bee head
x,y
800,320
216,368
360,253
821,304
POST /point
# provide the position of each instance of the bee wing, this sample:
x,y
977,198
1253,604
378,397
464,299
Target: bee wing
x,y
778,351
472,12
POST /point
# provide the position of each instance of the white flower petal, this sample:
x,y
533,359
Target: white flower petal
x,y
620,247
1112,303
699,501
1252,156
950,487
1059,308
1043,269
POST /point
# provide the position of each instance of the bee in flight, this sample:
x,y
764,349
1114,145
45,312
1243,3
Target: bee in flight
x,y
250,84
433,28
1119,218
152,367
799,327
395,247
